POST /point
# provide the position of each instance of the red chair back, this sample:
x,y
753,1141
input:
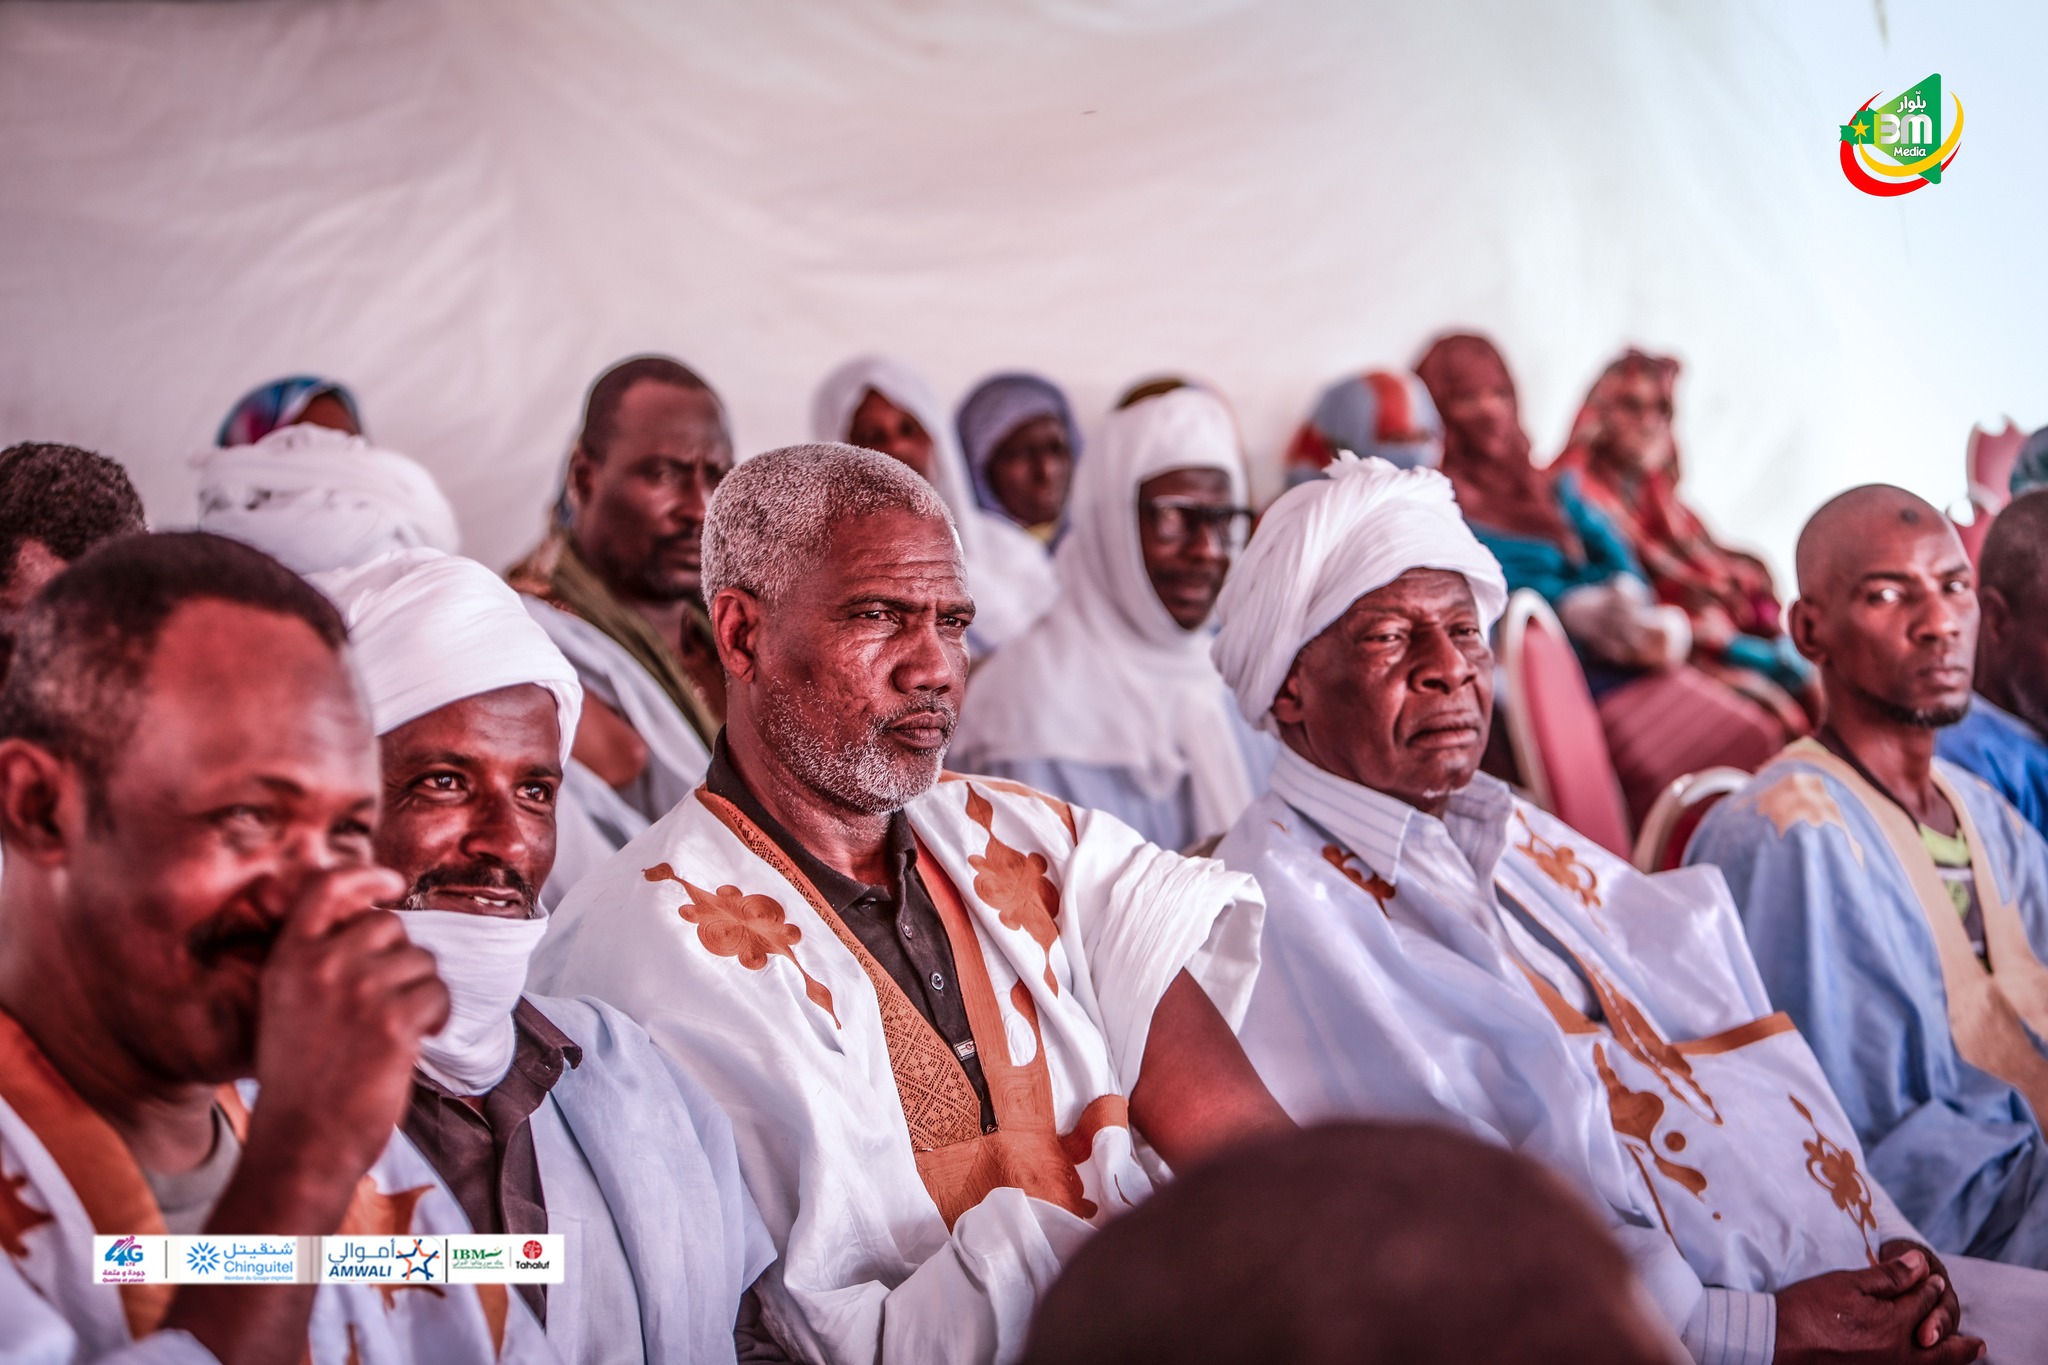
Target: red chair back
x,y
1554,727
1676,816
1992,454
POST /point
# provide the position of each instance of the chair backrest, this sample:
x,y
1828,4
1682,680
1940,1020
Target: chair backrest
x,y
1989,462
1679,808
1554,727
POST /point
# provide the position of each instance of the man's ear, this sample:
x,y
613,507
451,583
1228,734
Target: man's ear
x,y
34,787
582,473
1994,616
1802,623
736,617
1287,707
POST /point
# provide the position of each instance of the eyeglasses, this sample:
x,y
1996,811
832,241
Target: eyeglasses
x,y
1176,521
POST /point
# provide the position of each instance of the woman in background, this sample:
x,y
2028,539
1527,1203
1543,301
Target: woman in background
x,y
1663,718
1387,413
303,400
1019,437
883,404
1625,460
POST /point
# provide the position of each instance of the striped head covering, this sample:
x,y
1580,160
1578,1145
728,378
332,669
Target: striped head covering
x,y
279,404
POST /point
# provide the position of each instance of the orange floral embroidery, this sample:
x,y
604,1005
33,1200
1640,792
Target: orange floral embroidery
x,y
1015,884
1833,1168
17,1215
1636,1114
750,928
1003,784
1638,1037
1560,863
1802,798
1376,886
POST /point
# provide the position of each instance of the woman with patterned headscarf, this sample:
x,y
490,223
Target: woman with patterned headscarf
x,y
1387,413
1663,718
1625,461
301,400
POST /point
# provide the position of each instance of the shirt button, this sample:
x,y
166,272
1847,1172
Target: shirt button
x,y
938,981
908,930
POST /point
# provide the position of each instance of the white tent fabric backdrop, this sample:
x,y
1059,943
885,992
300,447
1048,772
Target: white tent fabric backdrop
x,y
465,208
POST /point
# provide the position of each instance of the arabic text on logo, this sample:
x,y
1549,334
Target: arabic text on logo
x,y
1897,147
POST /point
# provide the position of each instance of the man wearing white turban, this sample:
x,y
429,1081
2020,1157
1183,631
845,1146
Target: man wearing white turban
x,y
1440,950
314,498
535,1115
1110,701
882,404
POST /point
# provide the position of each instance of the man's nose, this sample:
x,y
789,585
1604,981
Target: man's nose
x,y
927,663
1440,665
1944,615
495,830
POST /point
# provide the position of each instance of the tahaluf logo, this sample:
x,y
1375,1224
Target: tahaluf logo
x,y
1910,152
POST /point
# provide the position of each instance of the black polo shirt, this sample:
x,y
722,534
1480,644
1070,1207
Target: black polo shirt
x,y
900,928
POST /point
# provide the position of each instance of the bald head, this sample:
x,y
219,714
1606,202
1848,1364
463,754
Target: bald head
x,y
1887,609
1352,1244
1836,541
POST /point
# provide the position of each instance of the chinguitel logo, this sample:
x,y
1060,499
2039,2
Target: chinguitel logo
x,y
1897,147
203,1257
532,1250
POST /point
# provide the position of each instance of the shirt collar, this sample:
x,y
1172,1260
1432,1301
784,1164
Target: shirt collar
x,y
1379,829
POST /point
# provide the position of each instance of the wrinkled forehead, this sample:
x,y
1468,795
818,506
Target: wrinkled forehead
x,y
893,552
1417,592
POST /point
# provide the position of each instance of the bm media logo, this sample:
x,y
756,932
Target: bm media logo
x,y
1898,147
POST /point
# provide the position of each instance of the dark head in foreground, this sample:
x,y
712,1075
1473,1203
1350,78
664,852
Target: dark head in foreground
x,y
1353,1244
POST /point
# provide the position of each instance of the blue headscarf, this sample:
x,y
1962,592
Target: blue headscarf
x,y
279,404
997,406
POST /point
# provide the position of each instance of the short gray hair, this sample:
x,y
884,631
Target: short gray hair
x,y
773,515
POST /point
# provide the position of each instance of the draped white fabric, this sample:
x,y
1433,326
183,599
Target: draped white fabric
x,y
466,208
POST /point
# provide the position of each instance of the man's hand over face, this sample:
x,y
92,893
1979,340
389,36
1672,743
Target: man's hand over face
x,y
1874,1316
345,1000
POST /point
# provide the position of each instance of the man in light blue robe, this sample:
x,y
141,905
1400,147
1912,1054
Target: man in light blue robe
x,y
1898,906
2000,740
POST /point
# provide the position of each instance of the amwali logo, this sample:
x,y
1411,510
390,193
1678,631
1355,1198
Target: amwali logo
x,y
1910,152
419,1261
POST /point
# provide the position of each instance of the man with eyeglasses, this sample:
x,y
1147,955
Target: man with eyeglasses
x,y
1110,701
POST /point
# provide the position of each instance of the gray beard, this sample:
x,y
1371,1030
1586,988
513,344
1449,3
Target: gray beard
x,y
868,775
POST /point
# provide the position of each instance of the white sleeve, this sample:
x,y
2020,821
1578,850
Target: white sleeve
x,y
1733,1327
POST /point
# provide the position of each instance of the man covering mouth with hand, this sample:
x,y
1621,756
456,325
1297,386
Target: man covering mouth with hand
x,y
539,1115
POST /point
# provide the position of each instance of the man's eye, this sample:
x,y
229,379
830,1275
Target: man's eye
x,y
352,829
439,782
540,793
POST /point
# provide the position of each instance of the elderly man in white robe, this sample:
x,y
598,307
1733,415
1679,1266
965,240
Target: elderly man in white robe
x,y
1438,949
537,1115
947,1014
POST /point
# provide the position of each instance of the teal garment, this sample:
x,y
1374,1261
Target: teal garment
x,y
1532,563
1844,948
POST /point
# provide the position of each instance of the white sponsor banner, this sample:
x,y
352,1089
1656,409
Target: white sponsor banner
x,y
510,1258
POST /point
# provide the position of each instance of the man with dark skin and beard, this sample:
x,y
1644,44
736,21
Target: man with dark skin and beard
x,y
2001,739
617,587
189,901
937,1007
538,1115
1898,906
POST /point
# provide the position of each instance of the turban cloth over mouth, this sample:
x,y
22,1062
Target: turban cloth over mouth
x,y
316,499
1322,546
428,629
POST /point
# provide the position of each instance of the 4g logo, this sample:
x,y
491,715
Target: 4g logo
x,y
1897,147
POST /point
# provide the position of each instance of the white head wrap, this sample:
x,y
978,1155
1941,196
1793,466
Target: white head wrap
x,y
1110,678
1007,571
318,499
428,629
1324,545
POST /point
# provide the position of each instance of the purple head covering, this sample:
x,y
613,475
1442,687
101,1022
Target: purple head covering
x,y
997,406
279,404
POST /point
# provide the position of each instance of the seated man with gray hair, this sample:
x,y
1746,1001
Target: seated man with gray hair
x,y
941,1010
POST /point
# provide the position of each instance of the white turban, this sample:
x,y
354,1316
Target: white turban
x,y
1324,545
428,629
316,499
